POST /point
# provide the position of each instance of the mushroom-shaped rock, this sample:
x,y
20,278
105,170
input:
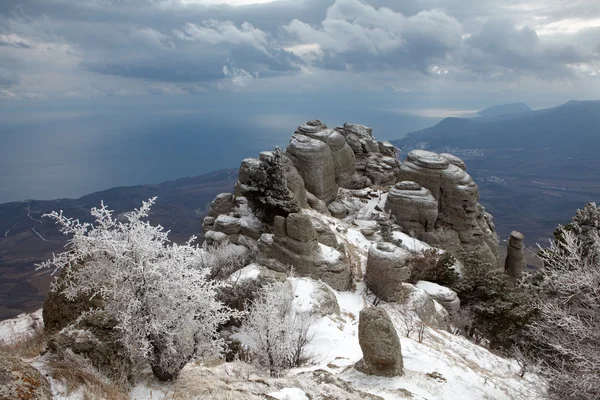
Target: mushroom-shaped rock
x,y
379,342
413,206
515,256
314,161
452,159
387,269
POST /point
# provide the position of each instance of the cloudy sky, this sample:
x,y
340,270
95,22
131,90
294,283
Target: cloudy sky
x,y
543,52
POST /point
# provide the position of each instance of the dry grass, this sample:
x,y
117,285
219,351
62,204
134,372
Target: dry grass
x,y
355,261
26,346
76,373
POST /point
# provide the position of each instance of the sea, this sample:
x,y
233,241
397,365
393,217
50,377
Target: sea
x,y
69,148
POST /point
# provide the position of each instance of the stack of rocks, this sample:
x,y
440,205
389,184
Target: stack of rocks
x,y
515,257
438,201
374,160
295,243
387,269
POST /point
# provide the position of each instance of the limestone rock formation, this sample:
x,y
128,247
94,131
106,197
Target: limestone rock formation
x,y
387,269
376,161
345,173
295,245
431,312
379,342
461,222
515,256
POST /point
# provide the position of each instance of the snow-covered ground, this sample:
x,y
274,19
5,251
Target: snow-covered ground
x,y
21,326
442,366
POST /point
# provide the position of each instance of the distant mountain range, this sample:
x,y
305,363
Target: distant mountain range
x,y
534,168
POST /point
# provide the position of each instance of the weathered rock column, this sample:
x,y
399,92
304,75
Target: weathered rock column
x,y
515,256
379,342
386,270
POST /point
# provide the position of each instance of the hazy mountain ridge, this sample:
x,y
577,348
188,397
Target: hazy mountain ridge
x,y
532,168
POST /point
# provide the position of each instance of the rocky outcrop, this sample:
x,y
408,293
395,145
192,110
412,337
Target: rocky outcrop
x,y
429,181
374,160
295,244
314,161
379,342
19,380
446,297
387,269
515,257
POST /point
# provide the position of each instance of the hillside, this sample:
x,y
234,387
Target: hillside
x,y
532,168
26,238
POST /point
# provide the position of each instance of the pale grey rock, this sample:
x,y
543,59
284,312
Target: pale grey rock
x,y
314,161
443,295
251,226
325,235
421,303
208,224
381,170
387,269
227,224
317,204
459,214
367,227
337,209
222,204
380,345
388,149
413,207
214,237
452,159
515,256
300,227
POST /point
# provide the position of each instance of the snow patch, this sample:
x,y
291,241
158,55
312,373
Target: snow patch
x,y
20,327
329,255
248,273
289,394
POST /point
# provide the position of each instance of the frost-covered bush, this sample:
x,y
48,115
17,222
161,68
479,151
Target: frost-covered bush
x,y
566,336
274,333
156,291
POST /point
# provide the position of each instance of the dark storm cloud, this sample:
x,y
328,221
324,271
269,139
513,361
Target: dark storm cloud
x,y
106,45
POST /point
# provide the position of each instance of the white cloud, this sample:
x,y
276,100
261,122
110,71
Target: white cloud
x,y
215,32
238,77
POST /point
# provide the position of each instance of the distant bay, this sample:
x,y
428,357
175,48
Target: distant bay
x,y
66,149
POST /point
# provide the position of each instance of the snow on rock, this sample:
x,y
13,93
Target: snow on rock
x,y
410,243
329,255
436,290
20,327
289,394
248,273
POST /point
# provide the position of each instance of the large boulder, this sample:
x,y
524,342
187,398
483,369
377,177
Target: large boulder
x,y
443,295
379,342
413,207
461,222
20,381
314,161
387,269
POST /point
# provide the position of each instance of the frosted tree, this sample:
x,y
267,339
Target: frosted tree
x,y
567,332
156,291
275,334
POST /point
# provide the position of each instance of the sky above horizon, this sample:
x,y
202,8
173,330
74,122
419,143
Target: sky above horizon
x,y
441,57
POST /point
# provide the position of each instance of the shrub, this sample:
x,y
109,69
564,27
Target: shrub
x,y
433,266
275,334
156,291
566,335
499,311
